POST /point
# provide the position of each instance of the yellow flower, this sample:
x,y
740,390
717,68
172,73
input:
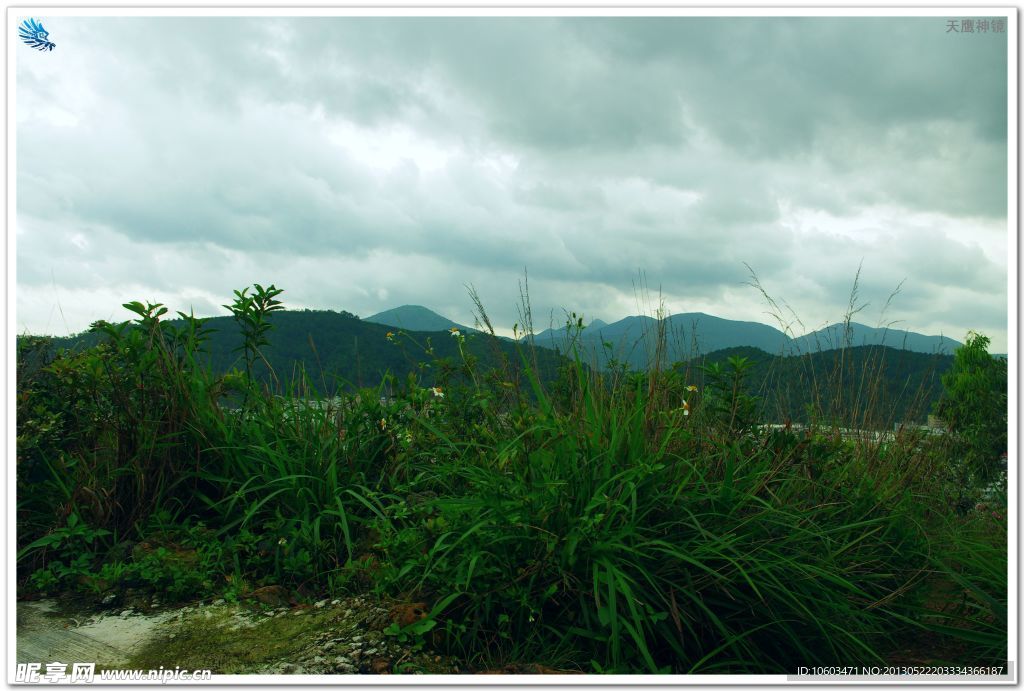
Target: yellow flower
x,y
691,387
383,423
390,336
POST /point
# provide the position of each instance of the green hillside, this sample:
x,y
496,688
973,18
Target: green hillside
x,y
341,352
862,386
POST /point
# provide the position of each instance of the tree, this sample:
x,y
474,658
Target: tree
x,y
974,406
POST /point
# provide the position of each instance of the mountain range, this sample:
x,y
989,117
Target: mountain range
x,y
339,351
633,340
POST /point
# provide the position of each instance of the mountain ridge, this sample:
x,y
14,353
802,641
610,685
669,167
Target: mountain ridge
x,y
632,340
337,351
689,334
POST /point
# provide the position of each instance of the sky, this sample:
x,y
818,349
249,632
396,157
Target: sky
x,y
607,165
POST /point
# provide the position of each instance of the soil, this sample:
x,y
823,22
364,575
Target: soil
x,y
342,636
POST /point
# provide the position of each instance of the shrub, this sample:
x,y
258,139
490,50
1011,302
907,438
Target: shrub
x,y
974,407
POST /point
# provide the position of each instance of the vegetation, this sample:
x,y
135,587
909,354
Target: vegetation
x,y
974,407
600,520
340,351
864,387
857,386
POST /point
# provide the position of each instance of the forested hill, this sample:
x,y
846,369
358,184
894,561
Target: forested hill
x,y
339,351
861,386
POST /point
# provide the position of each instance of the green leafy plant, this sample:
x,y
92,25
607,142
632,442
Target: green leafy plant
x,y
974,408
251,313
69,554
726,400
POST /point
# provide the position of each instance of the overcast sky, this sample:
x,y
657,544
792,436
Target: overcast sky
x,y
363,164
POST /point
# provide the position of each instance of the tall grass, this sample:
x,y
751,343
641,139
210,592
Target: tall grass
x,y
613,522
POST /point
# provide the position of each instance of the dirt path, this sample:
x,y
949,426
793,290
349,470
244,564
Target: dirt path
x,y
336,637
46,633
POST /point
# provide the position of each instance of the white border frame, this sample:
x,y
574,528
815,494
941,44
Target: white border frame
x,y
16,13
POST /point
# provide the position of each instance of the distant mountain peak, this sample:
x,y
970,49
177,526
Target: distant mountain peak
x,y
414,318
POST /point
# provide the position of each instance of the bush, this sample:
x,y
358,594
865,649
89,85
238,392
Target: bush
x,y
974,408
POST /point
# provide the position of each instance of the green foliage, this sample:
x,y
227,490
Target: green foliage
x,y
109,432
343,353
619,548
250,313
974,408
613,521
71,553
415,634
867,387
726,401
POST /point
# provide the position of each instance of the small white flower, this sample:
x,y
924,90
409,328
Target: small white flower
x,y
438,393
455,332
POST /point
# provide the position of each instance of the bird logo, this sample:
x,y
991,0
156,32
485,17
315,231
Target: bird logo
x,y
33,33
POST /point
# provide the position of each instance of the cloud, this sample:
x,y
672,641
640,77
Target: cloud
x,y
364,161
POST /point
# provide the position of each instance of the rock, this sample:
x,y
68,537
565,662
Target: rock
x,y
218,602
108,599
321,604
273,595
127,613
407,614
381,665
